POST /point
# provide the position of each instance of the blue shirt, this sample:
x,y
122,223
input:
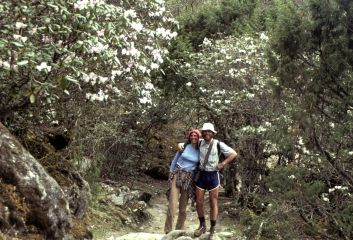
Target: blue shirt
x,y
186,160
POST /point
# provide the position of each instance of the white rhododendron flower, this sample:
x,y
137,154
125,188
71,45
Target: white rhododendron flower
x,y
206,42
137,26
118,46
20,25
43,66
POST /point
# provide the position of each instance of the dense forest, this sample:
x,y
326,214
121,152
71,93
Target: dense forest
x,y
103,90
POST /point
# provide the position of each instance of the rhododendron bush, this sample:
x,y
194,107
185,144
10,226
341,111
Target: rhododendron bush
x,y
93,48
230,75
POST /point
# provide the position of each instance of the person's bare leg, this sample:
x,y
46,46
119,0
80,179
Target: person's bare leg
x,y
214,211
214,204
200,198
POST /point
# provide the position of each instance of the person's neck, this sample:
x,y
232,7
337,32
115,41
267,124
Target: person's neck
x,y
208,141
193,145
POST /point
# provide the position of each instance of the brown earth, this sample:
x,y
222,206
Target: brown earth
x,y
109,225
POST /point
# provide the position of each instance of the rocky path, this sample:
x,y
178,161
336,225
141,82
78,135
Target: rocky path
x,y
153,229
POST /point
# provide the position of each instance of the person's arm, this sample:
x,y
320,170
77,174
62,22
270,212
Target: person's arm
x,y
230,154
173,164
181,146
230,157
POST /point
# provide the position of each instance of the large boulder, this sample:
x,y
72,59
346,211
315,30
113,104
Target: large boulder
x,y
76,190
46,205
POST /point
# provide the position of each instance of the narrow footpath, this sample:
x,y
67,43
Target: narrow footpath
x,y
153,229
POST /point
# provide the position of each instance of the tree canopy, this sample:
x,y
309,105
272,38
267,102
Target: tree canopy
x,y
275,77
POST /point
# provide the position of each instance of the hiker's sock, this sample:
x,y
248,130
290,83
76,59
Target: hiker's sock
x,y
202,221
213,223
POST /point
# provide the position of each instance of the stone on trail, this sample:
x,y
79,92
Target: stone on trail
x,y
173,235
186,235
137,236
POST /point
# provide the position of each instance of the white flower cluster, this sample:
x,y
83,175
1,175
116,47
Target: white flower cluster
x,y
249,95
118,45
100,96
264,37
340,188
146,96
206,42
20,25
98,48
324,197
301,145
248,129
157,56
166,33
137,26
43,67
232,72
84,4
219,61
219,92
5,64
131,50
93,78
20,38
130,13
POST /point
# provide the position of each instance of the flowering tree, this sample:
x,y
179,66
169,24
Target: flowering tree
x,y
89,48
230,86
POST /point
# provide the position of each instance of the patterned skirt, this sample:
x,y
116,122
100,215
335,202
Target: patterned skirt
x,y
184,180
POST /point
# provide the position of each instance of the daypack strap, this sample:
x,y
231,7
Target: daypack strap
x,y
207,154
219,153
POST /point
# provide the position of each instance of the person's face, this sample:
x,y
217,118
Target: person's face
x,y
207,135
193,138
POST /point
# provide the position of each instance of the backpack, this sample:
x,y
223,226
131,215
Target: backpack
x,y
221,156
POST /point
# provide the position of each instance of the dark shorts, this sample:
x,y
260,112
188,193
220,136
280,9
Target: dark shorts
x,y
208,180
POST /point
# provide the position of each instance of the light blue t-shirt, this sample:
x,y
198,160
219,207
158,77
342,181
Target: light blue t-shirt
x,y
213,159
186,160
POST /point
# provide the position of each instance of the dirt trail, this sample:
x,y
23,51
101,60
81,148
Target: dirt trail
x,y
153,229
159,207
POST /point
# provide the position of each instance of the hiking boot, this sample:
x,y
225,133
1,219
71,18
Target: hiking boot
x,y
198,232
212,233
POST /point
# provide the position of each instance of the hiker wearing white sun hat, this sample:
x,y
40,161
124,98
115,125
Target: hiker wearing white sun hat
x,y
208,177
208,126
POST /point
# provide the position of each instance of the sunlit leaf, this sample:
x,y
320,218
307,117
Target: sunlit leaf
x,y
32,98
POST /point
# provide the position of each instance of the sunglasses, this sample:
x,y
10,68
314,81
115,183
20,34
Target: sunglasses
x,y
207,131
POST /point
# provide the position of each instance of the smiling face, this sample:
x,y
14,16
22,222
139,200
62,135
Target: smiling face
x,y
207,135
193,138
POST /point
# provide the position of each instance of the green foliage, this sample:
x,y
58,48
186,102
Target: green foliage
x,y
277,222
213,20
295,182
57,56
311,55
345,220
305,192
83,49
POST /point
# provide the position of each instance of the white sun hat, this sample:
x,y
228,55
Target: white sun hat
x,y
208,126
